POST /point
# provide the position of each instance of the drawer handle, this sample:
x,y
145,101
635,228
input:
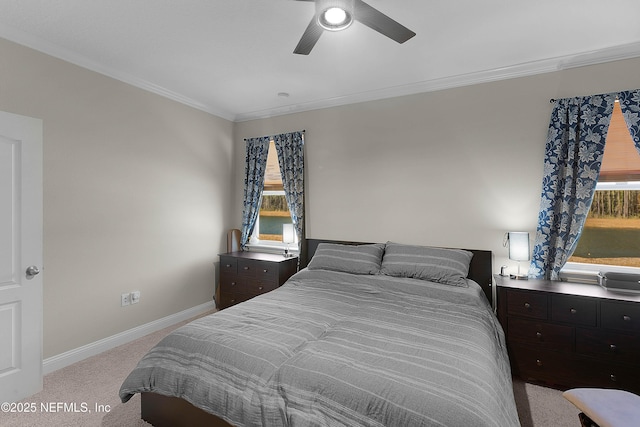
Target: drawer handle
x,y
228,266
539,335
265,271
527,305
538,362
613,347
626,318
260,288
245,268
573,311
233,283
613,377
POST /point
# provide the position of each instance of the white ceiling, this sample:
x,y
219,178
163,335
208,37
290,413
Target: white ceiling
x,y
232,57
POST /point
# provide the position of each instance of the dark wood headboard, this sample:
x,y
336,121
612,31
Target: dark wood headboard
x,y
480,269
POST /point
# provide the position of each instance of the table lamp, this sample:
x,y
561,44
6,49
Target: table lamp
x,y
288,236
518,250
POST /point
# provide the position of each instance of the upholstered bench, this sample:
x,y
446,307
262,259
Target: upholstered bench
x,y
605,407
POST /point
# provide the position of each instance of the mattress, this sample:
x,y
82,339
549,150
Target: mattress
x,y
333,348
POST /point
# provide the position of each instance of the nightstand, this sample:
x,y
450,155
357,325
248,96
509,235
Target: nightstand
x,y
244,275
571,334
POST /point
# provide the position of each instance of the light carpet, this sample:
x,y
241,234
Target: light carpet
x,y
86,394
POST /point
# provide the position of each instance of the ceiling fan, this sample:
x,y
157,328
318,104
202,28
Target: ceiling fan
x,y
336,15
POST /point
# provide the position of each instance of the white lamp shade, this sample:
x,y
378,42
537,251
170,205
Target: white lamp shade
x,y
519,245
288,234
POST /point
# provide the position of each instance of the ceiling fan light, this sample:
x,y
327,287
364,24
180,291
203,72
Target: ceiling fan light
x,y
334,15
335,19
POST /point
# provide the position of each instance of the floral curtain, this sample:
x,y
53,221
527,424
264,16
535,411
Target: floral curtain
x,y
290,149
573,155
255,165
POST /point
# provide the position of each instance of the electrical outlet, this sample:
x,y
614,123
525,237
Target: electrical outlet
x,y
125,299
135,297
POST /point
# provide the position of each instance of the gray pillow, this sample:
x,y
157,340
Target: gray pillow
x,y
355,259
447,266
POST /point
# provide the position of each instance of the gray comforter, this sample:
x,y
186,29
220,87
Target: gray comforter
x,y
332,348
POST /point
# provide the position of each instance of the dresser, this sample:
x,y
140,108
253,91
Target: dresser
x,y
244,275
571,334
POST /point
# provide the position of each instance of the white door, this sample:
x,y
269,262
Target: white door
x,y
20,256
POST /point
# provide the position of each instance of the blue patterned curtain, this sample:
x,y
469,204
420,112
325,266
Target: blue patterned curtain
x,y
573,155
290,149
255,165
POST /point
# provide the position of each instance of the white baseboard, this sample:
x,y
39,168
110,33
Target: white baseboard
x,y
70,357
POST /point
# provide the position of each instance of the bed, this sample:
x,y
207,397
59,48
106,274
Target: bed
x,y
362,335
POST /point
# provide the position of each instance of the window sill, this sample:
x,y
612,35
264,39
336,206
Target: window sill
x,y
273,248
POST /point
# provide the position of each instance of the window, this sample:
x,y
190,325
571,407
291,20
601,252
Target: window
x,y
611,234
274,211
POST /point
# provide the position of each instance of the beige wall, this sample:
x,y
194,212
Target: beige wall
x,y
136,197
463,165
140,190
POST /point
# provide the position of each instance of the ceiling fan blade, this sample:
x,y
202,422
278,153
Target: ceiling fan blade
x,y
309,38
380,22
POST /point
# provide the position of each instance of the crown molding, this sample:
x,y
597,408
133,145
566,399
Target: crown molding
x,y
593,57
600,56
44,46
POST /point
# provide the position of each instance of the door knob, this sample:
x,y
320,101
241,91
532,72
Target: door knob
x,y
32,271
